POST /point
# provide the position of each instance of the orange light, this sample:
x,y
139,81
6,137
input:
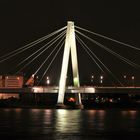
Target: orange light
x,y
71,99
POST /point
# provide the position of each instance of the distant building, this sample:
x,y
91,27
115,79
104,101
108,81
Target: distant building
x,y
13,81
10,81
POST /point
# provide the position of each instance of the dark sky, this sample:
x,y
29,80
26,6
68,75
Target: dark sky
x,y
22,21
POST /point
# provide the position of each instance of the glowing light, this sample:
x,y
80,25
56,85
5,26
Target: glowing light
x,y
90,90
71,99
110,100
124,76
133,77
37,89
76,81
48,82
101,77
92,76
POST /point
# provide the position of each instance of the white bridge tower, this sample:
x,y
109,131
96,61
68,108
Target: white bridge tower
x,y
70,45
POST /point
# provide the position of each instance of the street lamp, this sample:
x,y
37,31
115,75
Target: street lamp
x,y
124,76
101,79
125,82
92,78
48,80
36,79
133,79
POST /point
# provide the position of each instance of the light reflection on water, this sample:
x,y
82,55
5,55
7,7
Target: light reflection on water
x,y
132,114
61,123
96,119
67,121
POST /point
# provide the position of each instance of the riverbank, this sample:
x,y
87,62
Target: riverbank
x,y
88,104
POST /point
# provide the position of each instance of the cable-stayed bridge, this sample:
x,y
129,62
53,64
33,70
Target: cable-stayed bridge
x,y
67,37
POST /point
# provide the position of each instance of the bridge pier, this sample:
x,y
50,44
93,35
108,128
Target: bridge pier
x,y
61,106
79,104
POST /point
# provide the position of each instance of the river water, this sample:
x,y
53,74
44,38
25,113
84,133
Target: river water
x,y
61,124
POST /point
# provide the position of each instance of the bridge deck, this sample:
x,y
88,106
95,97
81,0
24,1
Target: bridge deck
x,y
84,89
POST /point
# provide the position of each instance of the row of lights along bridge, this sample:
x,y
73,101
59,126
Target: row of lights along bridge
x,y
127,80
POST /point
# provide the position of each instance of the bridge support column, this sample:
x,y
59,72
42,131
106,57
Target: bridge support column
x,y
70,45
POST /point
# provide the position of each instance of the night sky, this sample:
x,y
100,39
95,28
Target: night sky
x,y
22,22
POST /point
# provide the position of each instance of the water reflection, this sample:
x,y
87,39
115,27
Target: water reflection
x,y
67,121
68,124
47,117
124,113
96,119
132,114
101,115
48,121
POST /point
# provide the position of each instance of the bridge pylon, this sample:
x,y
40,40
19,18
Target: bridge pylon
x,y
70,46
